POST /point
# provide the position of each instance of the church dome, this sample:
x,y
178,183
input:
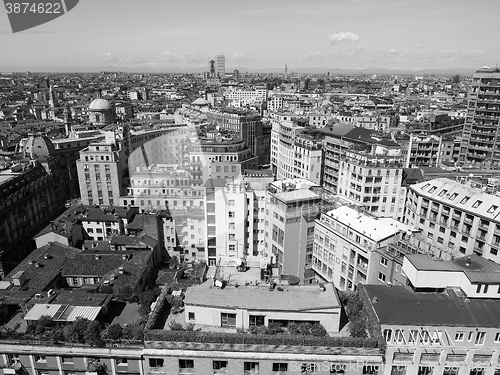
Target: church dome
x,y
38,146
200,102
100,105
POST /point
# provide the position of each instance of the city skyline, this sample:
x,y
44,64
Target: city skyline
x,y
258,36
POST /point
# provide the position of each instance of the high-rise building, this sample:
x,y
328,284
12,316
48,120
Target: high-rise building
x,y
290,213
226,209
211,67
220,65
100,172
296,150
481,135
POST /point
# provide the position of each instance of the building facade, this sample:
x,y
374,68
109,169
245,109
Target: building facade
x,y
455,219
481,129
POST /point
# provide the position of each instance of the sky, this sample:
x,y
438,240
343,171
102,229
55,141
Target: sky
x,y
170,36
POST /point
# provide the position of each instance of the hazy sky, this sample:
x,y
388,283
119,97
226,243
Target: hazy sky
x,y
165,36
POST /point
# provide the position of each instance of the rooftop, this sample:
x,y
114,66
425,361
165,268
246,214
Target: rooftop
x,y
461,196
291,298
398,305
377,229
475,267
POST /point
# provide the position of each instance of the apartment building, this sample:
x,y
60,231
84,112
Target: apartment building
x,y
446,321
227,221
297,150
100,172
28,201
222,157
373,179
349,247
456,219
246,125
291,208
481,129
256,183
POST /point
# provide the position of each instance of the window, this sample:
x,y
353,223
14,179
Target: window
x,y
308,368
40,358
381,276
383,261
459,336
67,360
492,209
497,337
398,370
191,316
480,338
231,214
464,200
251,368
121,362
370,370
228,320
280,367
155,362
186,366
424,370
231,203
219,367
477,204
256,320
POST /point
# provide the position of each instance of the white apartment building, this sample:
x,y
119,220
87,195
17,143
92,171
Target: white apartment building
x,y
456,219
373,180
258,94
345,241
226,218
296,151
256,182
291,208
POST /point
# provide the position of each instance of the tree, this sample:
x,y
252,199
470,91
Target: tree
x,y
74,332
92,334
114,332
94,365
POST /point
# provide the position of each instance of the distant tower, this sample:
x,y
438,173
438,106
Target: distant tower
x,y
286,71
220,65
236,75
52,97
211,68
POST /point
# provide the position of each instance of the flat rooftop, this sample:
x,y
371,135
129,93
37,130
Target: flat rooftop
x,y
476,268
291,298
398,305
375,228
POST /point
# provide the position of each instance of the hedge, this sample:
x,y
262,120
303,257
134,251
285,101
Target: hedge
x,y
259,339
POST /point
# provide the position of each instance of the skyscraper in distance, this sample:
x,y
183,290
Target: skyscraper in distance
x,y
220,65
481,134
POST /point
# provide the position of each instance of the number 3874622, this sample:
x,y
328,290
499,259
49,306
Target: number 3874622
x,y
48,8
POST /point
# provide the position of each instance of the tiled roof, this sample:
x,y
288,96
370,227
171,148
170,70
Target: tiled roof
x,y
88,265
397,305
47,264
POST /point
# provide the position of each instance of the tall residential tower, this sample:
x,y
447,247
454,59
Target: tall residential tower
x,y
481,135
